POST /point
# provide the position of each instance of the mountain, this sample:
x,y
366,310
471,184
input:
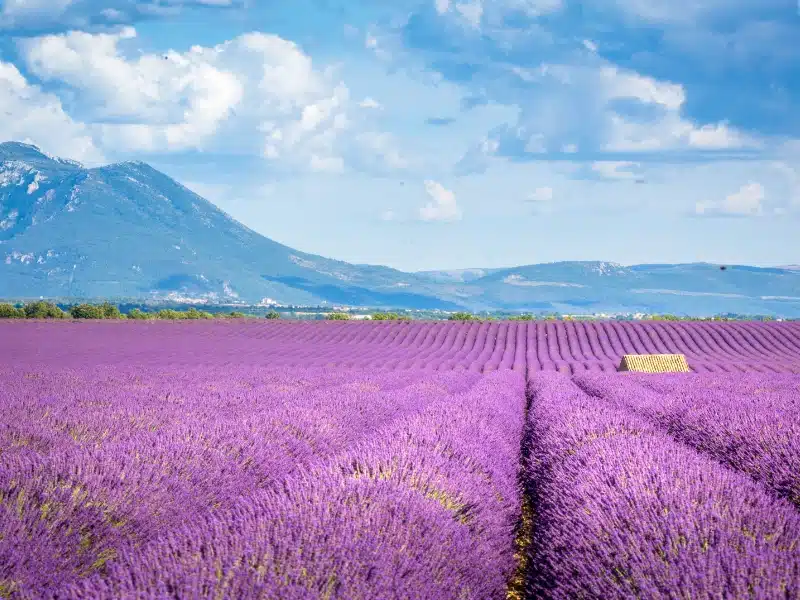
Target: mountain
x,y
128,231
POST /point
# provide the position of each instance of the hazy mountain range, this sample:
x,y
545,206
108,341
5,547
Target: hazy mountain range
x,y
128,231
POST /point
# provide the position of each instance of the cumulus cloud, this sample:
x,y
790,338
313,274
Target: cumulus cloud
x,y
327,164
36,16
494,13
370,103
609,169
685,13
667,129
255,93
747,201
791,176
605,109
376,153
443,205
542,194
30,115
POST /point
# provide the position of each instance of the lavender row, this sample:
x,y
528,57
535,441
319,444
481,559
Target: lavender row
x,y
426,508
749,422
92,461
569,347
622,511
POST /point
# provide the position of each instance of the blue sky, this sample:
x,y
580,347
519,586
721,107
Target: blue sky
x,y
437,134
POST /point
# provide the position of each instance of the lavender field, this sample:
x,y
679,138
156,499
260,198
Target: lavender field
x,y
398,460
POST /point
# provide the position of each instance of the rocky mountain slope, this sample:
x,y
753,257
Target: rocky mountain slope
x,y
129,231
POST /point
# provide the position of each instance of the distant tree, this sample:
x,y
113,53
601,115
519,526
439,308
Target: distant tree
x,y
389,316
195,314
273,314
462,316
170,314
138,314
236,315
110,311
43,310
87,311
525,317
337,316
9,311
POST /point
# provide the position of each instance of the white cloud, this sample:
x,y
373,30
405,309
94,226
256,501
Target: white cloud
x,y
376,152
669,129
617,83
255,93
471,12
388,215
791,175
590,46
370,103
494,12
747,201
670,12
718,136
28,114
327,164
443,206
38,15
609,169
16,12
575,104
542,194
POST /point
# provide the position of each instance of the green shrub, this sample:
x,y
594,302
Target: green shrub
x,y
525,317
193,313
138,314
235,315
9,311
110,311
43,310
389,316
87,311
462,316
170,314
273,314
337,316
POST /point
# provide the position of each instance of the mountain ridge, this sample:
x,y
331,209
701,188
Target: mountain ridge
x,y
128,230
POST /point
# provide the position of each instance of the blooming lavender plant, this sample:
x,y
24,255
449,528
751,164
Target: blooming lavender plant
x,y
568,347
104,469
750,422
624,511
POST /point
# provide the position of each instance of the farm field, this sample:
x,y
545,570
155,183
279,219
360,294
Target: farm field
x,y
398,460
567,347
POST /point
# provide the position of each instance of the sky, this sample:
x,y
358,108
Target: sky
x,y
437,134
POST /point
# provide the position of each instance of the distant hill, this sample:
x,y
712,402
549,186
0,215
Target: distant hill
x,y
128,231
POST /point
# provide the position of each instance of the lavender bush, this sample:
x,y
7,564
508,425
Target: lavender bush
x,y
749,422
104,469
624,511
565,346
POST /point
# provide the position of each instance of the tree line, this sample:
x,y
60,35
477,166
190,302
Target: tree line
x,y
42,309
